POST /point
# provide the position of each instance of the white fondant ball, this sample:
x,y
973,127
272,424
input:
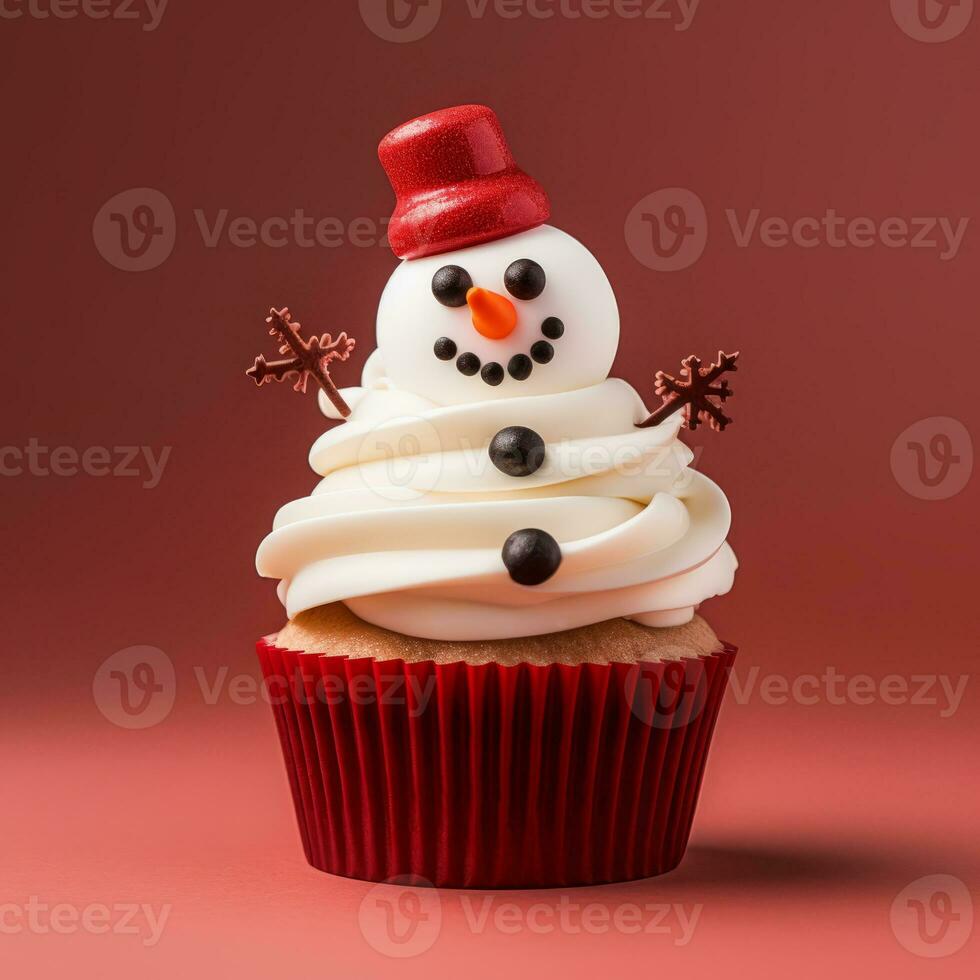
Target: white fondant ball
x,y
411,319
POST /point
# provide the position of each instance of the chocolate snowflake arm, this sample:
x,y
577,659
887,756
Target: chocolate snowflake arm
x,y
263,370
665,385
716,417
310,358
725,363
333,350
693,392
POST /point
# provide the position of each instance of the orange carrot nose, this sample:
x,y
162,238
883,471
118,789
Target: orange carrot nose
x,y
493,315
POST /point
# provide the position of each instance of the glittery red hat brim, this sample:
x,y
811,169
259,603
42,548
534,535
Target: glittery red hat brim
x,y
469,213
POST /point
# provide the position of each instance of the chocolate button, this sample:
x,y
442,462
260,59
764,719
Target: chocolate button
x,y
531,555
517,451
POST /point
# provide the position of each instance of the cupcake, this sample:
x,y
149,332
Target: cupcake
x,y
493,673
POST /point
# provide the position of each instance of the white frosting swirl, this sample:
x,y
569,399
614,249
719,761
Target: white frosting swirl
x,y
407,525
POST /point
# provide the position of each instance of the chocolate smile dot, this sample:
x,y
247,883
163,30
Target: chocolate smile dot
x,y
542,351
517,451
492,373
519,367
467,364
531,556
552,328
445,349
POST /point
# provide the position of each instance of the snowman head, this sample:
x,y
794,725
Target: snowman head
x,y
490,301
530,314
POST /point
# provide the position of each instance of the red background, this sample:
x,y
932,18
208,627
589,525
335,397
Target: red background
x,y
813,817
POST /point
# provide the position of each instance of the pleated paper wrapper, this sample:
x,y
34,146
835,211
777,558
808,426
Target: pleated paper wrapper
x,y
491,776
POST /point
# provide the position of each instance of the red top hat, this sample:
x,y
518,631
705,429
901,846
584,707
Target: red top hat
x,y
456,183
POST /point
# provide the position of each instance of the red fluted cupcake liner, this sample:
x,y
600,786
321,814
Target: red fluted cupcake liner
x,y
490,776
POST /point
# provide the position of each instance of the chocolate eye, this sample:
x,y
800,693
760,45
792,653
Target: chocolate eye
x,y
524,279
451,284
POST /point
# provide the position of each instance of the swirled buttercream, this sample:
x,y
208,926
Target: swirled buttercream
x,y
407,523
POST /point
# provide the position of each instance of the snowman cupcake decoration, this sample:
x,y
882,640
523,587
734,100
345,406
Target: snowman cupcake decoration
x,y
490,480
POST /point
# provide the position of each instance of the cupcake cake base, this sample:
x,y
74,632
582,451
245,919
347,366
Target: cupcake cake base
x,y
569,759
